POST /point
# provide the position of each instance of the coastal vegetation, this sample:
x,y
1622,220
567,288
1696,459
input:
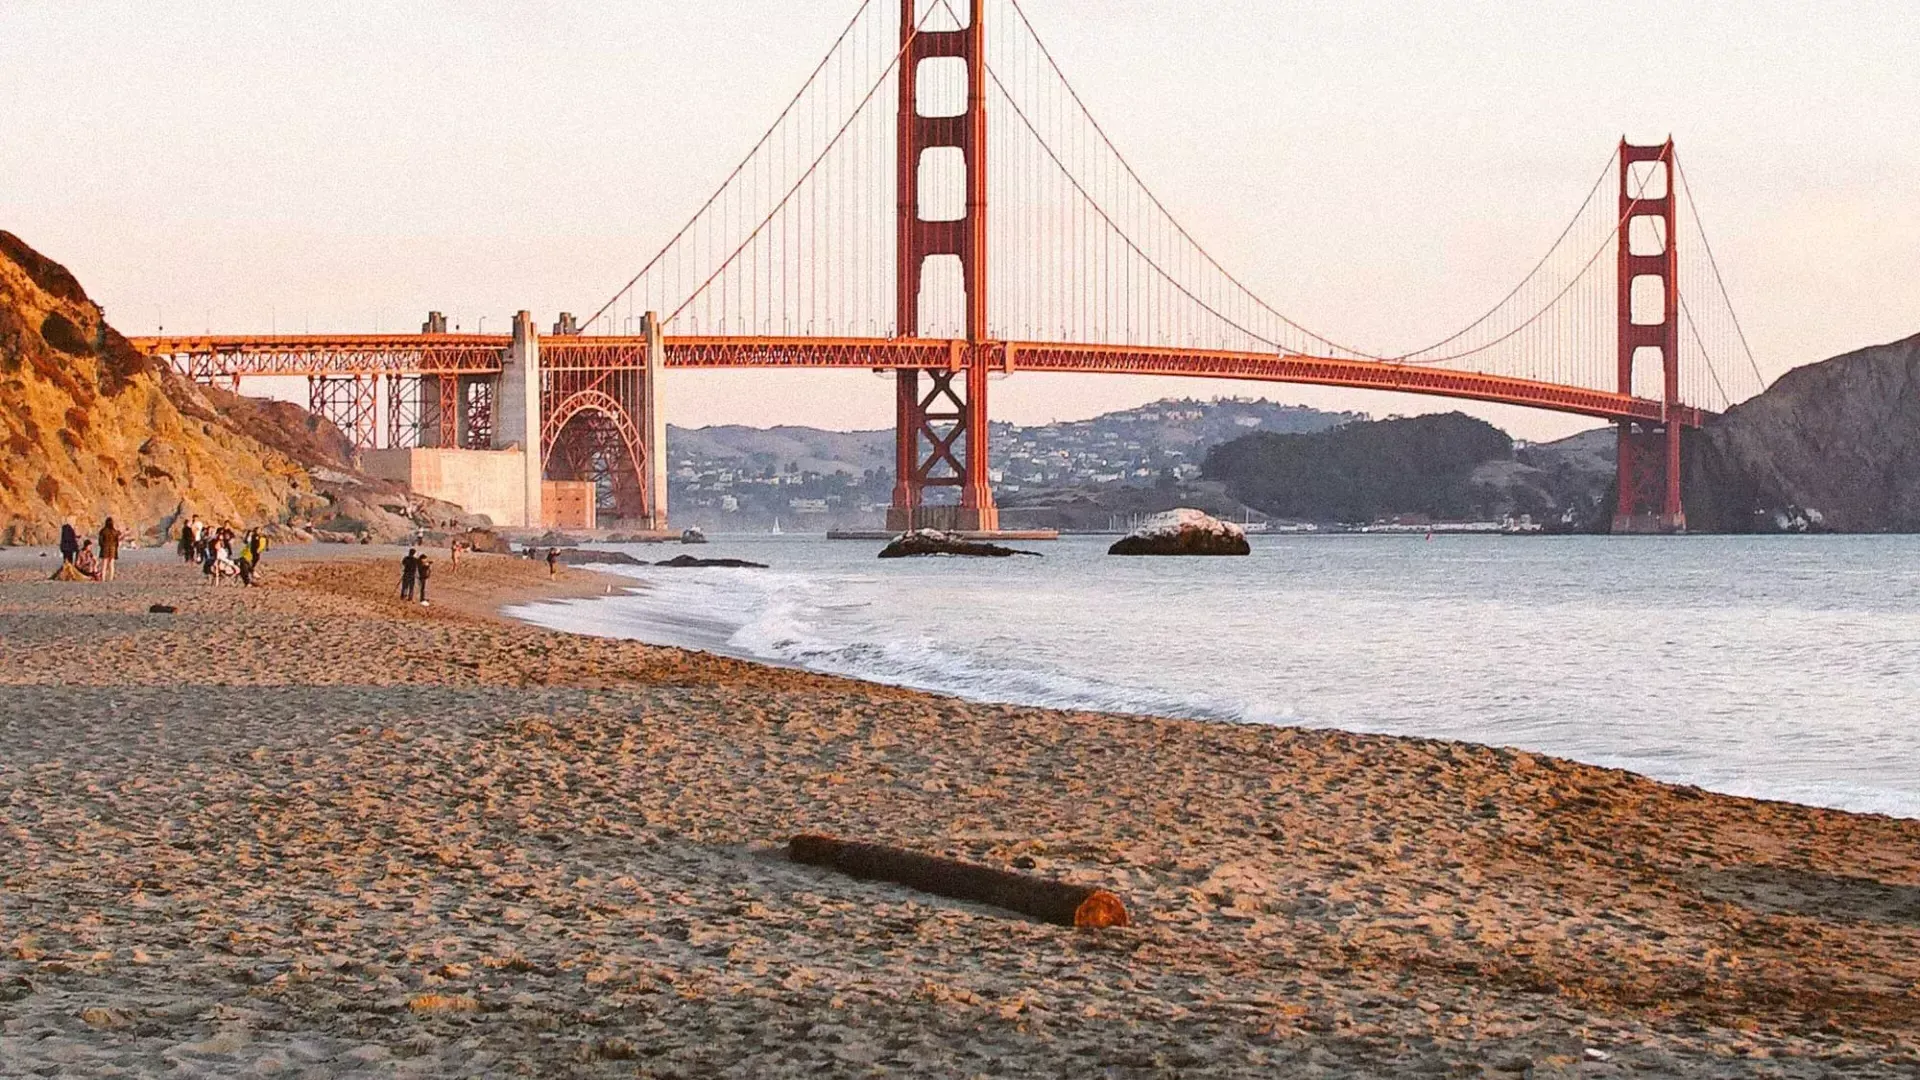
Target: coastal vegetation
x,y
1364,471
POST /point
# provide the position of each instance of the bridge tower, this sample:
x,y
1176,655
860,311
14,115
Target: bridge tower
x,y
1649,454
941,427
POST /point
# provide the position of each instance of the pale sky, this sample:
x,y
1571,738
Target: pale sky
x,y
1381,171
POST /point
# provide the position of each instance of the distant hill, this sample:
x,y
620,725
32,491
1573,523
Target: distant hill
x,y
735,476
784,448
1369,470
1833,446
1158,435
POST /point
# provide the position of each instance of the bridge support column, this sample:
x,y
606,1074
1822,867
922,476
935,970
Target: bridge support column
x,y
653,425
516,413
442,412
1649,454
942,434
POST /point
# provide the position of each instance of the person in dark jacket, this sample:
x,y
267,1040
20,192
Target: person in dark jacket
x,y
423,569
109,549
409,572
69,542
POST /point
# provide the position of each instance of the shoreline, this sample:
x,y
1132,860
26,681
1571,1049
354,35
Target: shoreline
x,y
692,635
310,825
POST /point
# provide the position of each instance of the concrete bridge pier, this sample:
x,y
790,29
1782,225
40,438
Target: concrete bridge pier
x,y
517,418
653,425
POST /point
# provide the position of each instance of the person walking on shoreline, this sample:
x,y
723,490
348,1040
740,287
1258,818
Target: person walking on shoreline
x,y
109,549
553,562
69,542
409,572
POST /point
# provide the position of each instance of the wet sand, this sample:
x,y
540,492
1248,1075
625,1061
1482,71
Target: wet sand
x,y
309,830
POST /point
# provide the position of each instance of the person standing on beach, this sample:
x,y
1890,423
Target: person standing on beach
x,y
423,569
553,562
256,546
409,571
69,542
109,549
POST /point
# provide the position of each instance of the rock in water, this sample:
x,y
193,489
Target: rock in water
x,y
935,542
690,561
1184,532
588,557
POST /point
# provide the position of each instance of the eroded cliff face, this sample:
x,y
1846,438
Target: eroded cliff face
x,y
1831,446
89,429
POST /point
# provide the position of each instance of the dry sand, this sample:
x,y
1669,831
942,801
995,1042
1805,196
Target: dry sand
x,y
308,830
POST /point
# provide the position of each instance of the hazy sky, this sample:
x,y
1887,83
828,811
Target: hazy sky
x,y
1381,171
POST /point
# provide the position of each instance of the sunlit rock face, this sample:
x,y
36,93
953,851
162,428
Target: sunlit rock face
x,y
89,429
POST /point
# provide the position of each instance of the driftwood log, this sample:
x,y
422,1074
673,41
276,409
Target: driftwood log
x,y
1053,901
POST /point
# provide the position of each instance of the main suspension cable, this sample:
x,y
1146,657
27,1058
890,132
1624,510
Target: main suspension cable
x,y
738,169
804,177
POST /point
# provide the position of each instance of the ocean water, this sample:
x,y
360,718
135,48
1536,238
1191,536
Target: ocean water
x,y
1777,667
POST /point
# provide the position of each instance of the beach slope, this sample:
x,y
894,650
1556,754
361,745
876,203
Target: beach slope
x,y
310,829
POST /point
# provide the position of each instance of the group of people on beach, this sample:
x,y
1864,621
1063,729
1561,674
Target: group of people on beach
x,y
213,547
415,569
90,562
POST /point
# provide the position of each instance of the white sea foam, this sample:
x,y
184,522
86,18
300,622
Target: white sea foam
x,y
1779,669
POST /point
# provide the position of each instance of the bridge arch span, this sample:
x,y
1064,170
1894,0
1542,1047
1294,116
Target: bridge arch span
x,y
590,435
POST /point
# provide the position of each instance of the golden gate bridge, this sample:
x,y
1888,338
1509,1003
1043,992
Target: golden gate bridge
x,y
882,223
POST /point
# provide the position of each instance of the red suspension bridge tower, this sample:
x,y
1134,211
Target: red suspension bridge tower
x,y
1649,455
941,432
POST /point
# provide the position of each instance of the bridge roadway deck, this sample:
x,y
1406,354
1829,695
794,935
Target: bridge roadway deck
x,y
220,357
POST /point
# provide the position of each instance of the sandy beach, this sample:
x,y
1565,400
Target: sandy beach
x,y
308,830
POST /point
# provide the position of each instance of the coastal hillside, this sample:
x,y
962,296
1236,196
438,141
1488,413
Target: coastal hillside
x,y
1069,474
90,430
1831,446
1365,471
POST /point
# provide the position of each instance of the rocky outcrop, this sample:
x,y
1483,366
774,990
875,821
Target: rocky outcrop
x,y
588,557
684,562
1185,531
90,430
1833,446
934,542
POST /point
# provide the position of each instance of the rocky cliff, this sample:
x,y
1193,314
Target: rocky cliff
x,y
88,429
1830,446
